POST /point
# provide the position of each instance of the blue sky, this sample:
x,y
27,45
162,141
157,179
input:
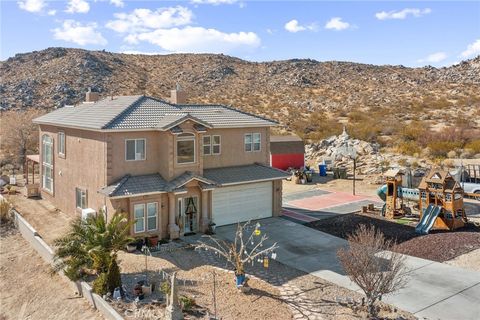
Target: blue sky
x,y
378,32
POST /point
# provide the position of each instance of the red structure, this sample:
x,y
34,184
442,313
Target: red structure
x,y
287,152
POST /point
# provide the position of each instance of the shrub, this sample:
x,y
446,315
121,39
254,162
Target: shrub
x,y
5,211
186,302
100,285
373,264
408,148
165,288
114,279
439,149
474,145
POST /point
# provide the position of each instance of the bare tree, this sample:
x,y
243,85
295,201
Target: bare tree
x,y
237,253
371,261
18,135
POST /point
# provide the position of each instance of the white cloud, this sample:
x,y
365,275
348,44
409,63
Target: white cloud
x,y
82,34
118,3
473,49
402,14
214,2
32,5
196,39
52,12
434,57
78,6
336,23
294,26
141,20
141,52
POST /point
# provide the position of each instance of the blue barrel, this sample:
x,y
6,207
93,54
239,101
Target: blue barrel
x,y
322,169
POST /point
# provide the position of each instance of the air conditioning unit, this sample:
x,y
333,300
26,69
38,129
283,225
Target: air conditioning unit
x,y
87,212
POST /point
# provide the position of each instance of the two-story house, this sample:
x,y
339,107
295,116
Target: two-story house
x,y
172,167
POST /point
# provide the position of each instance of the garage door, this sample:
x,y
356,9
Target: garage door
x,y
242,203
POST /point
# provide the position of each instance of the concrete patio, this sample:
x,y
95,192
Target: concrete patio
x,y
434,290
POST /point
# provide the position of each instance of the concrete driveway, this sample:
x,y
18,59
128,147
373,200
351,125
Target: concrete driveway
x,y
434,290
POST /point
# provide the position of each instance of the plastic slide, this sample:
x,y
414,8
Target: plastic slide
x,y
425,217
433,216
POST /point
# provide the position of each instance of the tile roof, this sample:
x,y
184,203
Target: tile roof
x,y
244,174
154,183
142,112
132,185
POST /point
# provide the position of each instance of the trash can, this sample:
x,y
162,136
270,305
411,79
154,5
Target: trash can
x,y
322,169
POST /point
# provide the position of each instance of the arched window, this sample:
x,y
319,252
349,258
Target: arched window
x,y
185,148
47,163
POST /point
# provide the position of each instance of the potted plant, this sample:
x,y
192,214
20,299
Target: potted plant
x,y
153,241
131,247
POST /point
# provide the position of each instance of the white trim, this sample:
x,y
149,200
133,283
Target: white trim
x,y
219,144
250,181
144,147
44,164
135,217
83,191
156,216
134,195
64,143
242,126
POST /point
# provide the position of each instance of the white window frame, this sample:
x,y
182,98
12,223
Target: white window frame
x,y
136,153
83,198
138,218
61,143
45,164
252,142
209,145
155,216
219,144
212,144
189,137
259,135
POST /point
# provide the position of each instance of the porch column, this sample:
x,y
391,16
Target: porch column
x,y
173,228
205,220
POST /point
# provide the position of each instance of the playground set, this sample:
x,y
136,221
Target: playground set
x,y
439,197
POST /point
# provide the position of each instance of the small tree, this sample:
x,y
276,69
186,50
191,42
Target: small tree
x,y
237,253
91,244
114,279
371,261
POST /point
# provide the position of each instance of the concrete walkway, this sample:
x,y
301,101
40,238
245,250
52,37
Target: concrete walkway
x,y
434,290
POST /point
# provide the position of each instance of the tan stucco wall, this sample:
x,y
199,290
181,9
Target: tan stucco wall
x,y
83,167
232,151
277,198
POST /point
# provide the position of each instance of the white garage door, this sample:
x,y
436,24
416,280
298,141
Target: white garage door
x,y
242,203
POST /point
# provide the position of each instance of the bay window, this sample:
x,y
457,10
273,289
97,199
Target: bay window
x,y
185,148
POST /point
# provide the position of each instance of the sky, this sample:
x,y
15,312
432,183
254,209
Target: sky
x,y
415,34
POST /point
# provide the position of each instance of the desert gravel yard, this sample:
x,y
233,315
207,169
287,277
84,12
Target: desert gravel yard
x,y
438,246
29,291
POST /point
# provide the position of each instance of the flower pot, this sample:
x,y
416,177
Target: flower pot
x,y
239,279
147,290
153,241
131,247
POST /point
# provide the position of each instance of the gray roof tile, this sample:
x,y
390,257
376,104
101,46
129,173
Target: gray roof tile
x,y
142,112
244,174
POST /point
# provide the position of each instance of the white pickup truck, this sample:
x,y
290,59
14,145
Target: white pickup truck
x,y
469,179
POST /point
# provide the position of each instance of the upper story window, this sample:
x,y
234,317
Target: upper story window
x,y
135,149
211,145
47,163
185,148
252,142
61,143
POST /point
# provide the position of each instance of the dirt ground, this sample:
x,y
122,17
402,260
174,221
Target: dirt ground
x,y
49,222
28,289
437,246
301,293
469,260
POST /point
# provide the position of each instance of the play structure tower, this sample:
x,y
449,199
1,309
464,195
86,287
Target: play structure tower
x,y
441,196
394,185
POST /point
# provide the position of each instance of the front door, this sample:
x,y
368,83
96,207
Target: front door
x,y
189,213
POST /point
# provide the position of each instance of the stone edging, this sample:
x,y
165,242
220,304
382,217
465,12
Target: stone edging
x,y
83,288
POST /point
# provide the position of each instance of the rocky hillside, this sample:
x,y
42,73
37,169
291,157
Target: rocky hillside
x,y
289,91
